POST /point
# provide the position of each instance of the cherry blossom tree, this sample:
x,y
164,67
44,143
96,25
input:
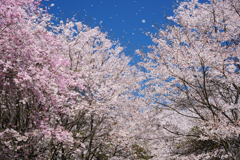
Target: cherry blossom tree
x,y
63,88
193,75
108,81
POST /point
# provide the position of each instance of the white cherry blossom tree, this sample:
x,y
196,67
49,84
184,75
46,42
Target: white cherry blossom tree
x,y
193,71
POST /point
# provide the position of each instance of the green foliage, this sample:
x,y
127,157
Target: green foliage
x,y
102,156
141,152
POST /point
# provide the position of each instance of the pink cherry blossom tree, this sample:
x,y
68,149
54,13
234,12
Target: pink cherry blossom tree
x,y
35,83
193,73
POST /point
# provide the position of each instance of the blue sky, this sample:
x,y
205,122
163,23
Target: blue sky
x,y
125,20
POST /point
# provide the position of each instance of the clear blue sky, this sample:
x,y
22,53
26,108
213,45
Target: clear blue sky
x,y
123,19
